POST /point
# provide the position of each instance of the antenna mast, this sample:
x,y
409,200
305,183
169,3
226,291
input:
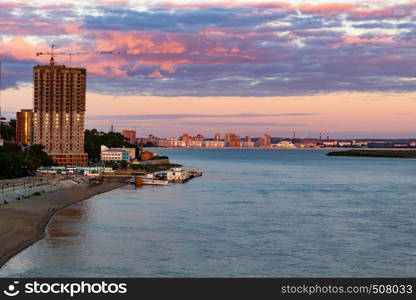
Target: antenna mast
x,y
52,60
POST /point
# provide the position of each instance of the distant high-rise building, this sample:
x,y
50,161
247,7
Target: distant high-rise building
x,y
232,140
249,143
217,137
59,112
266,140
129,135
152,139
198,137
227,137
186,137
24,120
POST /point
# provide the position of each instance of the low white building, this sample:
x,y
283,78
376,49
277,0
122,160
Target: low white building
x,y
329,143
115,154
172,142
214,144
195,144
131,151
167,143
344,144
284,145
177,175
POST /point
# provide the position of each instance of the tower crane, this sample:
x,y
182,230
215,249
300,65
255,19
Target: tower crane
x,y
52,54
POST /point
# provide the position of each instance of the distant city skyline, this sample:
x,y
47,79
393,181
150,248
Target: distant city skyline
x,y
356,115
250,67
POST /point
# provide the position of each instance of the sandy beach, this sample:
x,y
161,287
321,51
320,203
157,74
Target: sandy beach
x,y
23,222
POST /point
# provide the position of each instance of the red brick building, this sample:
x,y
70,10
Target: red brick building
x,y
129,135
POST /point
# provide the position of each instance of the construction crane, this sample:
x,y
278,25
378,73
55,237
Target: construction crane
x,y
52,54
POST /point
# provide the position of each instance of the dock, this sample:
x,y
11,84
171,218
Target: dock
x,y
174,175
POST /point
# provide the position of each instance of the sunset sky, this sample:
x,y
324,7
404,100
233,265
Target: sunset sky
x,y
341,67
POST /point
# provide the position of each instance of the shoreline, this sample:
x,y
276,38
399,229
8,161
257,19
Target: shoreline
x,y
380,153
23,222
277,149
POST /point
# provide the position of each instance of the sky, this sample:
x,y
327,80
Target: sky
x,y
343,68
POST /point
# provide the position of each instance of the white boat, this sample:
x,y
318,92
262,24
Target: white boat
x,y
155,182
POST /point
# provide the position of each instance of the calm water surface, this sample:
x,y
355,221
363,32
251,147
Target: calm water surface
x,y
253,213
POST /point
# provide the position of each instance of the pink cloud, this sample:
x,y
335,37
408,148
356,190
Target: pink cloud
x,y
271,38
356,40
327,8
390,11
20,49
156,74
139,43
229,4
168,67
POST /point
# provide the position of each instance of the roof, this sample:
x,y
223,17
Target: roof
x,y
115,151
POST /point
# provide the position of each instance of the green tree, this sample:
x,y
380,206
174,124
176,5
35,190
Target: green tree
x,y
8,132
124,164
36,152
16,163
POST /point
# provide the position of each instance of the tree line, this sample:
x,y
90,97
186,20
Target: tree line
x,y
16,162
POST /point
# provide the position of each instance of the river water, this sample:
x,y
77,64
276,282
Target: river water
x,y
263,213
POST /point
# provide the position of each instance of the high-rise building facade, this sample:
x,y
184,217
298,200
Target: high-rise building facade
x,y
186,137
24,127
59,112
249,143
198,137
266,140
227,137
129,135
232,140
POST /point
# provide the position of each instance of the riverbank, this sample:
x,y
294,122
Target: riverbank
x,y
255,214
277,149
375,153
23,222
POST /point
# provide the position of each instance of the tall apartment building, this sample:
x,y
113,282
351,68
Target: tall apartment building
x,y
186,137
24,120
129,135
227,137
59,112
266,140
249,143
232,140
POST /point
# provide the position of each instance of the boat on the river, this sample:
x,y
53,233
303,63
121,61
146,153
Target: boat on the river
x,y
155,182
148,181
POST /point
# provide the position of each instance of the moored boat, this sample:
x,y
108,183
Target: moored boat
x,y
155,182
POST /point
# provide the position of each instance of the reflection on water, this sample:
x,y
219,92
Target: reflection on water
x,y
253,213
59,233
